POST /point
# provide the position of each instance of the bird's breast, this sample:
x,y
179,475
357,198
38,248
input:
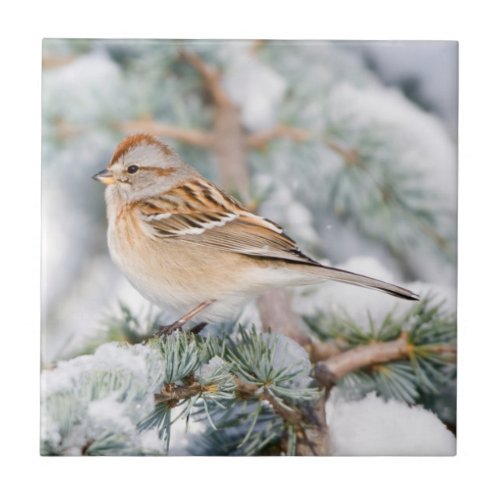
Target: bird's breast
x,y
170,273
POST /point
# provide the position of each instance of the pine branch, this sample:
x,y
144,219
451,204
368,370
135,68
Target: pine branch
x,y
173,393
229,146
192,137
256,46
227,136
320,351
259,140
277,315
329,371
350,156
210,77
50,61
315,439
406,358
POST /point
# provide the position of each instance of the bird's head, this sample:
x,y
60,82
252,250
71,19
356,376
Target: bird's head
x,y
143,166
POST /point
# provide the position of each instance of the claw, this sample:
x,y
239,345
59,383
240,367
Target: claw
x,y
166,330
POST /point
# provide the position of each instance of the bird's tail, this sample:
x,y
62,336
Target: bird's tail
x,y
343,276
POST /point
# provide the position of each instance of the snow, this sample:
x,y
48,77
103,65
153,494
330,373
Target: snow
x,y
297,219
150,442
416,138
107,413
256,88
372,426
139,372
182,437
93,300
289,356
207,370
90,397
141,363
94,91
49,430
87,89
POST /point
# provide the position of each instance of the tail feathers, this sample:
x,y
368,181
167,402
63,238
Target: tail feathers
x,y
343,276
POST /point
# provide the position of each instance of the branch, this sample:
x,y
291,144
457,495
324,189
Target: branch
x,y
193,137
247,390
320,351
172,393
440,349
309,422
226,139
54,61
256,46
291,415
276,313
329,371
260,140
209,75
229,144
66,130
350,156
315,439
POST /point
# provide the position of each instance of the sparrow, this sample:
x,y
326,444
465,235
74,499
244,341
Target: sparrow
x,y
188,246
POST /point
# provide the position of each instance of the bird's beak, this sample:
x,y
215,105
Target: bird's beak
x,y
105,176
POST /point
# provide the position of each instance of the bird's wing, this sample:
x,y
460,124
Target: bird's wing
x,y
198,212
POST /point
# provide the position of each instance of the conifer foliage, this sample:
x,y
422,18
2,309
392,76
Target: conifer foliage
x,y
303,133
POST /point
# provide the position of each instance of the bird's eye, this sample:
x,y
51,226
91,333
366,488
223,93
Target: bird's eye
x,y
132,169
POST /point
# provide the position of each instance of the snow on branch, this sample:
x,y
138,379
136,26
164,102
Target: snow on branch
x,y
261,387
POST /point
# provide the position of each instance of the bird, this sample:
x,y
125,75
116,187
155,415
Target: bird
x,y
189,247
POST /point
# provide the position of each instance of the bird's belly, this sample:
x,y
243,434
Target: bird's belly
x,y
178,276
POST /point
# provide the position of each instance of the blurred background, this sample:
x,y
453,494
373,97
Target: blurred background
x,y
350,146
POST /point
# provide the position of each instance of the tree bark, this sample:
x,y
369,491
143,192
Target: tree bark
x,y
329,371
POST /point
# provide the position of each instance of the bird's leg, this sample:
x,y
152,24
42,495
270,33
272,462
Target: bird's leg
x,y
169,329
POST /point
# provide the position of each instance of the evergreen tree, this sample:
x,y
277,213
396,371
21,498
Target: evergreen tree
x,y
303,133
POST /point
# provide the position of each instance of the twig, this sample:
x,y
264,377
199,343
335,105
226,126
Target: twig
x,y
256,46
53,61
350,156
315,439
309,422
209,75
439,348
174,393
277,315
227,136
329,371
229,144
292,416
320,351
66,130
193,137
259,140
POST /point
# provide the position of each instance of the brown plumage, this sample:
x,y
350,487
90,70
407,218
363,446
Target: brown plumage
x,y
182,241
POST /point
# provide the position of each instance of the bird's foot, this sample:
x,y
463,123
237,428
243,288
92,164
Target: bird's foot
x,y
167,330
177,325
